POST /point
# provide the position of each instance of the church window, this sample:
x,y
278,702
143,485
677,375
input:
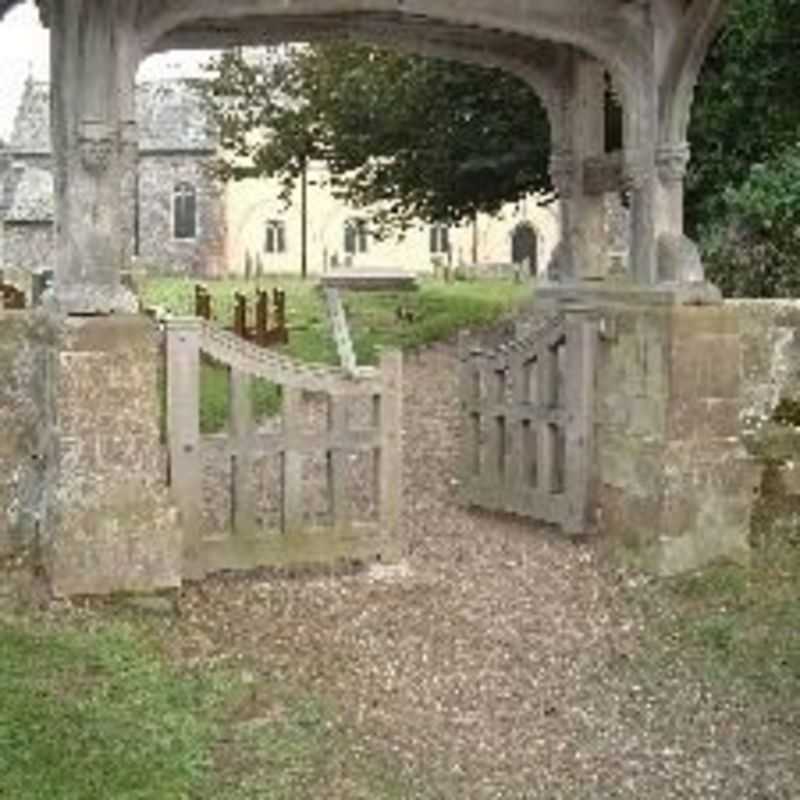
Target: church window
x,y
275,241
355,236
439,239
185,211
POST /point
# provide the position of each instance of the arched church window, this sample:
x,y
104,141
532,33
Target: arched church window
x,y
275,241
184,222
355,236
439,239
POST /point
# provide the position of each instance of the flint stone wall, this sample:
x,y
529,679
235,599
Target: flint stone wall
x,y
158,248
29,246
25,340
116,528
770,413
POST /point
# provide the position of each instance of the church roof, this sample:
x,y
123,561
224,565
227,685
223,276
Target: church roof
x,y
169,112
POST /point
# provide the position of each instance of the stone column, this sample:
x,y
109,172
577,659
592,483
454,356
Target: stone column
x,y
583,251
94,56
639,168
672,161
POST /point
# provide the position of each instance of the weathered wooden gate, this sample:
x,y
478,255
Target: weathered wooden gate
x,y
528,422
292,536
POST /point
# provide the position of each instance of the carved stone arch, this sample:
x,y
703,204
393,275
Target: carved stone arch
x,y
699,25
609,30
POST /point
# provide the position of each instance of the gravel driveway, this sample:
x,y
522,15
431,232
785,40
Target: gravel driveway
x,y
498,659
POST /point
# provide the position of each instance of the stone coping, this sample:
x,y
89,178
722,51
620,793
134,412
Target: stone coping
x,y
624,293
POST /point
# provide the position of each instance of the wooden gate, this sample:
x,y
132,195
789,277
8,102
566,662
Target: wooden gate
x,y
292,537
528,423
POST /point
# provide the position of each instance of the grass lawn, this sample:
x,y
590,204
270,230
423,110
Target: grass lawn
x,y
439,311
98,713
740,625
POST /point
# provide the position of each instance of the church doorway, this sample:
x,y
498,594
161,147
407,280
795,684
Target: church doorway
x,y
524,247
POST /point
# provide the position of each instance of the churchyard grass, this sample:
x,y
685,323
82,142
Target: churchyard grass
x,y
94,714
90,712
435,312
738,625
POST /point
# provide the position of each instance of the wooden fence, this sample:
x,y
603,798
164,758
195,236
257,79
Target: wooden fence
x,y
11,298
263,323
528,423
293,538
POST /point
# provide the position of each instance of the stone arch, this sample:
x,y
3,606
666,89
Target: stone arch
x,y
697,30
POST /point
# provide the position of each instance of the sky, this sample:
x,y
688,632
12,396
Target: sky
x,y
24,51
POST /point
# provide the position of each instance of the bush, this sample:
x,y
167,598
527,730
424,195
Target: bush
x,y
754,249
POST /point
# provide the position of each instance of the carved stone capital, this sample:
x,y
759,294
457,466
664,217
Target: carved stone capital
x,y
563,172
636,169
97,141
672,162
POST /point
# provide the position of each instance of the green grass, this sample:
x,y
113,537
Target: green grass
x,y
86,715
99,714
740,624
439,311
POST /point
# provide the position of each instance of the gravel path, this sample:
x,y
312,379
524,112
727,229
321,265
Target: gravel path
x,y
497,659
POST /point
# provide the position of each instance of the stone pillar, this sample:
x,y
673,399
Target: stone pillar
x,y
111,525
674,483
672,161
582,253
640,108
94,56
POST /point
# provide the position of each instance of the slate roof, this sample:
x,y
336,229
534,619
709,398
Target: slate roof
x,y
170,115
171,119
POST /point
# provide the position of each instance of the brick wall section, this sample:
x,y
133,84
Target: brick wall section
x,y
24,340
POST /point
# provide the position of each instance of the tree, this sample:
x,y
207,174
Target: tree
x,y
743,203
409,136
746,111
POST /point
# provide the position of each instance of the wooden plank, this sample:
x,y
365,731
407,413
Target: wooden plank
x,y
183,421
338,461
390,469
292,515
340,329
243,501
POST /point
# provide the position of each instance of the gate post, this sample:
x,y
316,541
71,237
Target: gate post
x,y
581,345
183,419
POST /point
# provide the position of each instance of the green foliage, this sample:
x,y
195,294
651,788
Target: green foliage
x,y
97,715
420,137
745,111
752,249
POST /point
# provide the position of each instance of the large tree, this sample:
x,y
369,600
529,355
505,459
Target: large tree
x,y
413,137
743,195
746,109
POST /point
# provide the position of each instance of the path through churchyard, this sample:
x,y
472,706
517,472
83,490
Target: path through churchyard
x,y
494,661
